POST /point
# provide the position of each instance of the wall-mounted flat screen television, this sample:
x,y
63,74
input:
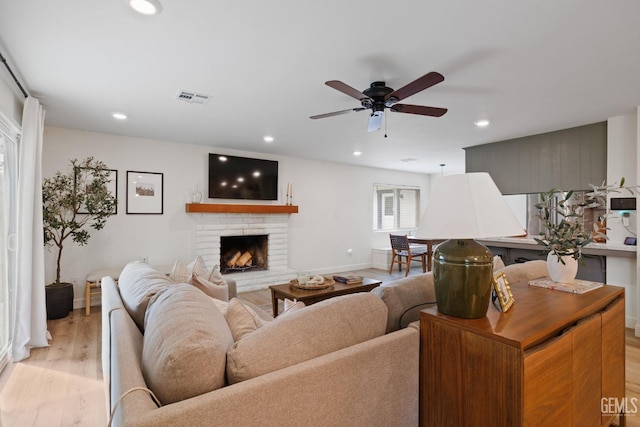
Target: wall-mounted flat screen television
x,y
232,177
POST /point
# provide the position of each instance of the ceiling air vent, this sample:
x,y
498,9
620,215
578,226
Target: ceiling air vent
x,y
192,97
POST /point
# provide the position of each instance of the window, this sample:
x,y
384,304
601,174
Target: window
x,y
395,207
9,138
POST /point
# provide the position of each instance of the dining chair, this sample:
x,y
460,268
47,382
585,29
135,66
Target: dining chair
x,y
400,249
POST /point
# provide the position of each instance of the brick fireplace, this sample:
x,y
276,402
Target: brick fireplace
x,y
244,253
211,228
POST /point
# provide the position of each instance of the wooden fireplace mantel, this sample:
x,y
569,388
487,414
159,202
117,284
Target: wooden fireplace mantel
x,y
236,208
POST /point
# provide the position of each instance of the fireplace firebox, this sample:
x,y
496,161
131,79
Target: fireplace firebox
x,y
244,253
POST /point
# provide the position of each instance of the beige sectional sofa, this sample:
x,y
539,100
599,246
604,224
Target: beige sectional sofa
x,y
169,359
347,361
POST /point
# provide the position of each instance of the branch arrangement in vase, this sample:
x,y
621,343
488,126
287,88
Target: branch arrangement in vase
x,y
562,217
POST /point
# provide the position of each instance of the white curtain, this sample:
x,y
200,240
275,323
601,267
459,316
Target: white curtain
x,y
30,310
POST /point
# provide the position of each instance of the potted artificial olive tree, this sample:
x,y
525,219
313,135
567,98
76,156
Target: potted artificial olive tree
x,y
72,203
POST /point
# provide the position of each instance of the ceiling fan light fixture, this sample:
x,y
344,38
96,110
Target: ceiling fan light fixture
x,y
391,101
146,7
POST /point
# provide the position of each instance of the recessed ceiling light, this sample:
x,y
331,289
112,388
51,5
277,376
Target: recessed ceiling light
x,y
146,7
357,153
482,123
119,116
268,139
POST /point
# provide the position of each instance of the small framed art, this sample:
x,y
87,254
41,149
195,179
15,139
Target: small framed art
x,y
112,185
502,292
145,193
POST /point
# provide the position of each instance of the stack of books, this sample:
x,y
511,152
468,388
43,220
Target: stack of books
x,y
348,279
577,287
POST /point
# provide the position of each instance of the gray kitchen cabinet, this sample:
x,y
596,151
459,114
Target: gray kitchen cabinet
x,y
568,159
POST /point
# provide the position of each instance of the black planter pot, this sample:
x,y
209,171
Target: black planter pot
x,y
59,297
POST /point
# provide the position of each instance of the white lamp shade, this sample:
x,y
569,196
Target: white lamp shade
x,y
467,206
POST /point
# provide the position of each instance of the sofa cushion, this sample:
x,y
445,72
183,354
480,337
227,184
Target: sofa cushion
x,y
319,329
218,291
405,298
137,284
242,319
292,307
185,344
523,272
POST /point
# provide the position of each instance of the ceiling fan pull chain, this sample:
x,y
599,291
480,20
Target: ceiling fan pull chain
x,y
385,125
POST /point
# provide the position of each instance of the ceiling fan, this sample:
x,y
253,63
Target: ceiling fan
x,y
378,97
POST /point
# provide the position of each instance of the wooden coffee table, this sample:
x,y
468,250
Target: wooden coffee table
x,y
312,296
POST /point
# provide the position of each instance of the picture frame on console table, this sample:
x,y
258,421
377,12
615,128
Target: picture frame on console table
x,y
145,193
502,292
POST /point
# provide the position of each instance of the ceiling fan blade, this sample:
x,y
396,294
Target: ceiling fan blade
x,y
415,86
419,109
336,113
346,89
375,121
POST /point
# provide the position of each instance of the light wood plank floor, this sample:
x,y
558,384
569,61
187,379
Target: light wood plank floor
x,y
61,385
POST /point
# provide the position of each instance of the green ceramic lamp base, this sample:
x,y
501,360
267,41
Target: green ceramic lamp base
x,y
462,270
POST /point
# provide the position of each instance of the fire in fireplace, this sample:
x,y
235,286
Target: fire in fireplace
x,y
243,253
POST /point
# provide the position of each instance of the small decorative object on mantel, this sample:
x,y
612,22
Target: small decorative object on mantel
x,y
576,287
289,194
195,195
563,219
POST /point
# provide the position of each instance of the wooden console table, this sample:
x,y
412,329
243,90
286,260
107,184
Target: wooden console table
x,y
549,361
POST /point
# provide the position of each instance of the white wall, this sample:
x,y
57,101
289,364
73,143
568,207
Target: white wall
x,y
622,142
335,203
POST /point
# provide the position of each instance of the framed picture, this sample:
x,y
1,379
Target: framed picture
x,y
145,193
112,187
502,292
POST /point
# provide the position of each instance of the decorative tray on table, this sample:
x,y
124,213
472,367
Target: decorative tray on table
x,y
316,282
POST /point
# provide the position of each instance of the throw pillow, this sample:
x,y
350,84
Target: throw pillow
x,y
185,345
319,329
220,292
221,305
242,319
497,263
216,277
180,273
198,266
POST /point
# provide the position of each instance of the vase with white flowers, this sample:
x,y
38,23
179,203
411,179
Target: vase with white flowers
x,y
564,234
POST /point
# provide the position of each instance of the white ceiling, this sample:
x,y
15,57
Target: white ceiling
x,y
528,66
